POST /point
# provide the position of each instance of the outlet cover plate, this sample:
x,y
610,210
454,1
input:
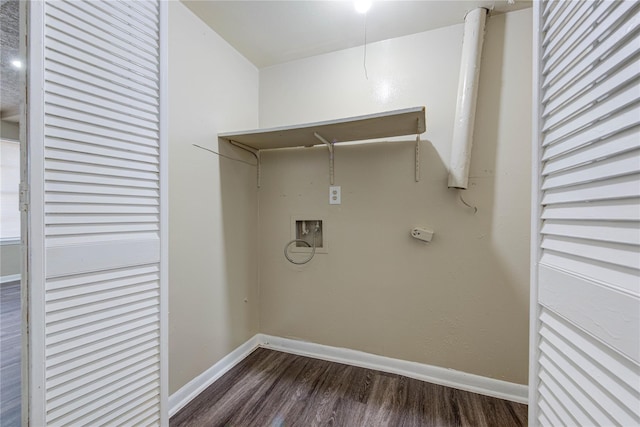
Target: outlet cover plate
x,y
335,195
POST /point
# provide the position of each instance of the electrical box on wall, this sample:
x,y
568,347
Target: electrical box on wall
x,y
423,234
306,229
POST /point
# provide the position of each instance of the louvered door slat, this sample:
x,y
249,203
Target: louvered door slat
x,y
90,129
59,176
567,33
585,354
62,51
74,158
617,102
103,203
100,219
620,165
552,10
83,402
102,19
137,337
609,15
595,72
70,393
68,77
119,53
548,417
552,43
590,370
617,367
599,131
112,325
141,401
617,144
77,20
84,169
93,45
91,100
603,49
617,209
116,149
69,113
599,398
605,231
616,81
613,253
557,405
73,105
564,402
121,12
65,136
615,188
596,415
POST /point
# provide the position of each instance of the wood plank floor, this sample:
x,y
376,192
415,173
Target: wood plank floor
x,y
10,351
275,389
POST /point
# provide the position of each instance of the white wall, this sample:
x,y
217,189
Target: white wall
x,y
460,302
10,253
10,260
213,282
9,130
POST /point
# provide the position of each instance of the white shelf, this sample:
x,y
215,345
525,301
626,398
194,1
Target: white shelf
x,y
410,121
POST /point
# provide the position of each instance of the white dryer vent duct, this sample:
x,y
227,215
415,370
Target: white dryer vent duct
x,y
467,95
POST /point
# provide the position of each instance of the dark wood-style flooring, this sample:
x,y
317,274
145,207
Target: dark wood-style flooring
x,y
274,389
10,350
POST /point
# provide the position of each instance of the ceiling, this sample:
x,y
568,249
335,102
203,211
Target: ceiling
x,y
274,32
9,75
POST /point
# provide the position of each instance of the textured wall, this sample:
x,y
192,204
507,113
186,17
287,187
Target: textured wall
x,y
460,302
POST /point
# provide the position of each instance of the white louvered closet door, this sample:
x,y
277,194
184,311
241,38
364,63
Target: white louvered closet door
x,y
97,229
585,359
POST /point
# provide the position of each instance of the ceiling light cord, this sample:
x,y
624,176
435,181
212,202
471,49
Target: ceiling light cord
x,y
364,61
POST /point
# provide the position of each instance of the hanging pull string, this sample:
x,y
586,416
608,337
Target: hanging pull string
x,y
475,209
224,155
364,61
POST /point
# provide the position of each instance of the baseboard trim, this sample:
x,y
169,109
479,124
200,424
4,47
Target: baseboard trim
x,y
433,374
193,388
10,278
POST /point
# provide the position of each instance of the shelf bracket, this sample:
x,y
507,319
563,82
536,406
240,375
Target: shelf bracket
x,y
418,158
256,154
330,147
418,152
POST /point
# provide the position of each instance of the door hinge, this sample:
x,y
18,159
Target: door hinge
x,y
24,197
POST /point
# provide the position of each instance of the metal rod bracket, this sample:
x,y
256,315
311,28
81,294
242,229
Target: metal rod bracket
x,y
256,154
418,158
331,155
418,152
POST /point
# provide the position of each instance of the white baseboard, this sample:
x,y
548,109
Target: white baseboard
x,y
197,385
433,374
10,278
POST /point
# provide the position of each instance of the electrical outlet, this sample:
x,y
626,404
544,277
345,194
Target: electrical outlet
x,y
335,195
422,234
